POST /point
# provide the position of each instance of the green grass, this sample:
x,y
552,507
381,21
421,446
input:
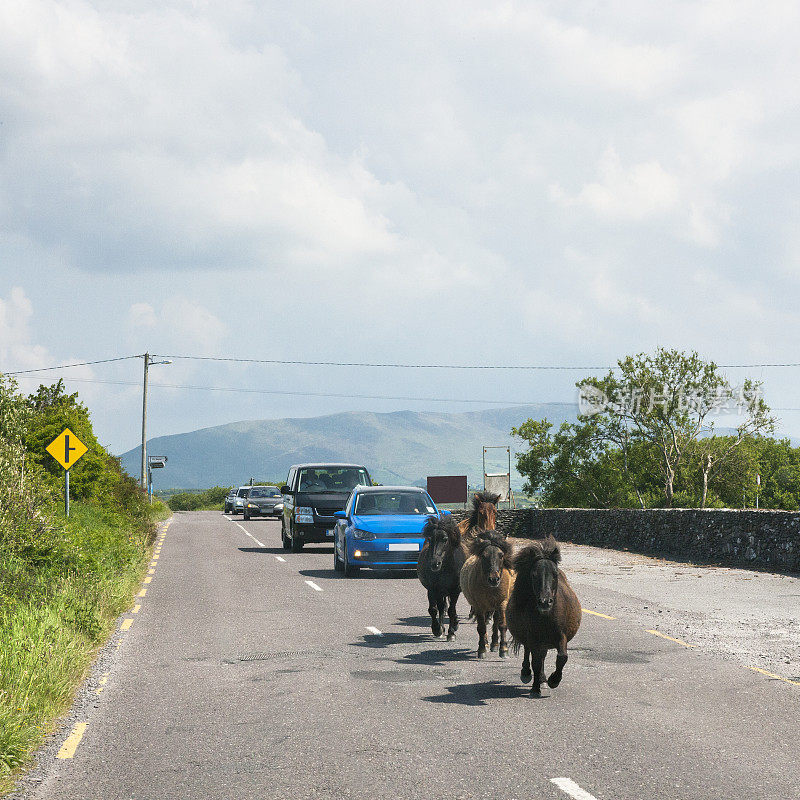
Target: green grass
x,y
58,605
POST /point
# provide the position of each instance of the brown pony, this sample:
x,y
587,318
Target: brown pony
x,y
543,612
486,581
483,515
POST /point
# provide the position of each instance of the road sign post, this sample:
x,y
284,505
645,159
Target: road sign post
x,y
67,449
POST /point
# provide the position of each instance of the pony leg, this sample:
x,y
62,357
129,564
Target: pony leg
x,y
561,659
453,614
441,605
538,671
436,628
481,620
525,675
500,619
495,629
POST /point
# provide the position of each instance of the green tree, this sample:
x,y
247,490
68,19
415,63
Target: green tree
x,y
667,400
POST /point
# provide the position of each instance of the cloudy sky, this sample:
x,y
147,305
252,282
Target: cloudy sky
x,y
435,182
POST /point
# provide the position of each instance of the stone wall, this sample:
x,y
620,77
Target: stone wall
x,y
765,539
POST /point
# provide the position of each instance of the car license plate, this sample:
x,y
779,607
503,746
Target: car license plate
x,y
406,548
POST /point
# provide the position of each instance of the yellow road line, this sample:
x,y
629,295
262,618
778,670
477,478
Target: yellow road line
x,y
151,572
148,579
72,741
671,638
142,593
596,614
776,677
126,623
136,608
155,557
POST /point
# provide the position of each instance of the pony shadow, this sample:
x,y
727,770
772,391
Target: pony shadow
x,y
414,622
387,640
436,658
478,694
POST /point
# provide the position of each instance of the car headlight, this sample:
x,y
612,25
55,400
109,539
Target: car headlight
x,y
304,514
278,507
252,505
364,535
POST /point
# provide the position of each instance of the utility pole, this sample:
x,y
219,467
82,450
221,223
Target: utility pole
x,y
148,362
143,473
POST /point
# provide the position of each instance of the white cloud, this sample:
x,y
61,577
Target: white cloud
x,y
17,351
638,192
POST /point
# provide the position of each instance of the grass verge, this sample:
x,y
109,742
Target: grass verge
x,y
58,605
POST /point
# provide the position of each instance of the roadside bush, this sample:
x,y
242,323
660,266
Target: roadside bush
x,y
193,501
63,581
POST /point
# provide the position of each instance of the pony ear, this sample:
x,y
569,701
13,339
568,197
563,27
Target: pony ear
x,y
551,549
430,526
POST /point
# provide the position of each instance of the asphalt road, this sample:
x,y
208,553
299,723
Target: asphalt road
x,y
251,672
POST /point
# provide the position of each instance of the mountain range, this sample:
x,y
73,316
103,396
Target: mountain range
x,y
401,447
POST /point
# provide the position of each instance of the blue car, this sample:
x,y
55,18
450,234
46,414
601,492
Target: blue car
x,y
381,527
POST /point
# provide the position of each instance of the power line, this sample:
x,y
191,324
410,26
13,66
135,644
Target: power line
x,y
383,365
69,366
245,390
372,364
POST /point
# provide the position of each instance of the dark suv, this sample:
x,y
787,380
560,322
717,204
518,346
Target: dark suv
x,y
312,495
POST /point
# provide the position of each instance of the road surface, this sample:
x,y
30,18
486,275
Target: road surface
x,y
249,672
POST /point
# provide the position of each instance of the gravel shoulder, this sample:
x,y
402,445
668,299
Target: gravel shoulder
x,y
739,614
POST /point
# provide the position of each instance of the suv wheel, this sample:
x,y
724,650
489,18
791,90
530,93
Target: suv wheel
x,y
296,541
284,538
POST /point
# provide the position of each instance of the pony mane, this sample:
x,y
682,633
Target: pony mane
x,y
446,524
526,558
484,539
478,499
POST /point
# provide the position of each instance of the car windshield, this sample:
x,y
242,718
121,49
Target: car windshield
x,y
371,503
332,479
242,492
264,491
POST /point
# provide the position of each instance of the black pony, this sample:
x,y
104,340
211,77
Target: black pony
x,y
438,568
544,613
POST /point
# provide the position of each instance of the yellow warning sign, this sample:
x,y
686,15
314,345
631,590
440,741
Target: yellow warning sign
x,y
67,448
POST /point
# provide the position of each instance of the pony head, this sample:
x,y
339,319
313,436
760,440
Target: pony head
x,y
484,511
440,533
537,573
494,554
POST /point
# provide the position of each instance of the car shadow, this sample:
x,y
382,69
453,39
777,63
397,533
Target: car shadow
x,y
263,550
478,694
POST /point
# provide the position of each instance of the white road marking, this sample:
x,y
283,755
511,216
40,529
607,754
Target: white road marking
x,y
281,559
571,788
374,631
314,586
250,535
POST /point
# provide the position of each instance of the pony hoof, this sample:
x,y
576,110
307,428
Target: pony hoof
x,y
536,691
525,677
481,654
450,637
553,681
503,653
437,632
493,648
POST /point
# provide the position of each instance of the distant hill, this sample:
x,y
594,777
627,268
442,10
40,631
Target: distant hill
x,y
400,447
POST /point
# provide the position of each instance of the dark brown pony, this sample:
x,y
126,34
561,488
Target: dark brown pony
x,y
483,515
439,570
486,580
543,612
